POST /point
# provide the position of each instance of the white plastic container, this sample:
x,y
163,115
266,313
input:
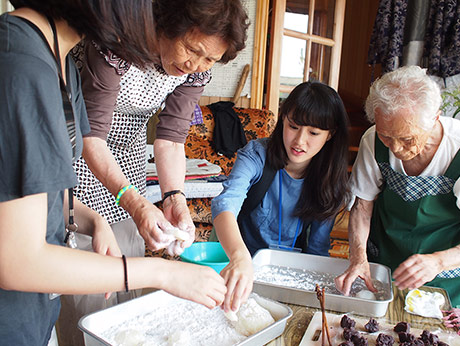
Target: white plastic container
x,y
94,325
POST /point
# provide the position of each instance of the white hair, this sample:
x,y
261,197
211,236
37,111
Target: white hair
x,y
409,89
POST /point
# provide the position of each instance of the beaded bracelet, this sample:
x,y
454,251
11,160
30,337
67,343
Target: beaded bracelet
x,y
123,190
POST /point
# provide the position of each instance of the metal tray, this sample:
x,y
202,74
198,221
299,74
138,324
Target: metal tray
x,y
95,324
334,266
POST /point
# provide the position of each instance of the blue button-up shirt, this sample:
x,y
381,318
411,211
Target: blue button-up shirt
x,y
263,228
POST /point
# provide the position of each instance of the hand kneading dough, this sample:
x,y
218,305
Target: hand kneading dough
x,y
252,318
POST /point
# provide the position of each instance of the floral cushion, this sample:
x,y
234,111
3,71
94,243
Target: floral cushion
x,y
200,209
257,123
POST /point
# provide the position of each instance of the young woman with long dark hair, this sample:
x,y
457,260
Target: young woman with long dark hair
x,y
307,155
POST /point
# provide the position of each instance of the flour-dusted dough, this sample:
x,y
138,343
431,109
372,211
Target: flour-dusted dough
x,y
231,315
177,233
252,318
129,337
179,338
365,294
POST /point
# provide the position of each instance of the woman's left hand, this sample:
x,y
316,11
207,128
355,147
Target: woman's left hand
x,y
416,271
104,241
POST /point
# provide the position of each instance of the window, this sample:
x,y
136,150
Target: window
x,y
306,42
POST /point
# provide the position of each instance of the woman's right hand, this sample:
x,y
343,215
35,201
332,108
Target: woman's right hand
x,y
194,282
239,277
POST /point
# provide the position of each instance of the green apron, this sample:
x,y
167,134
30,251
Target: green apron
x,y
413,215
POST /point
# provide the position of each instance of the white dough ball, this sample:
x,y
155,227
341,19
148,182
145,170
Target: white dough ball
x,y
176,233
252,318
365,294
231,315
179,338
180,235
129,337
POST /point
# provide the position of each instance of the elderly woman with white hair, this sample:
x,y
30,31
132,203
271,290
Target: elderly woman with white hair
x,y
406,185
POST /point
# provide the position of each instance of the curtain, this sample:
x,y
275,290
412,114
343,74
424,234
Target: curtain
x,y
414,31
442,39
386,46
417,32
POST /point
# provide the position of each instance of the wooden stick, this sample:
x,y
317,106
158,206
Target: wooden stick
x,y
325,320
241,83
324,327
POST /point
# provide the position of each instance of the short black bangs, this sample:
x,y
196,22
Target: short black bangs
x,y
312,114
314,104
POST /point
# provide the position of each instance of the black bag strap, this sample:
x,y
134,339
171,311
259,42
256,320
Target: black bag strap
x,y
71,227
258,190
65,92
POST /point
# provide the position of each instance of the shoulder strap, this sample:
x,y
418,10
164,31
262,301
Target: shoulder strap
x,y
71,227
453,171
380,150
258,190
66,104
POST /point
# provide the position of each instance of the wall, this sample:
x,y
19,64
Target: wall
x,y
243,102
225,78
355,73
5,6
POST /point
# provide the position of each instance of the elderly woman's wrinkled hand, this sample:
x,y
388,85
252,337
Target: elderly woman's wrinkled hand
x,y
359,269
416,271
148,220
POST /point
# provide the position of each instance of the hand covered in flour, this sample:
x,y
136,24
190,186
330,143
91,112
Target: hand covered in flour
x,y
239,277
194,282
176,247
150,222
357,268
416,271
177,213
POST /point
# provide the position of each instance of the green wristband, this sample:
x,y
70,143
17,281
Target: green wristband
x,y
123,190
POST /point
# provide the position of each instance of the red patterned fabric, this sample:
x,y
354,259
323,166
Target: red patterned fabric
x,y
200,209
257,123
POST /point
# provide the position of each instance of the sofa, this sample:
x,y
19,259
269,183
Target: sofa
x,y
257,123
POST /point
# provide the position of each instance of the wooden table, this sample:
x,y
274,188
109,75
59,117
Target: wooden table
x,y
298,323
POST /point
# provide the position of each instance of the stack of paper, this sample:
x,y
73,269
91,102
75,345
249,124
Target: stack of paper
x,y
194,168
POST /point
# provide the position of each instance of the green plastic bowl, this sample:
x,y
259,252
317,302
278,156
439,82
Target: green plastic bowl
x,y
209,254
